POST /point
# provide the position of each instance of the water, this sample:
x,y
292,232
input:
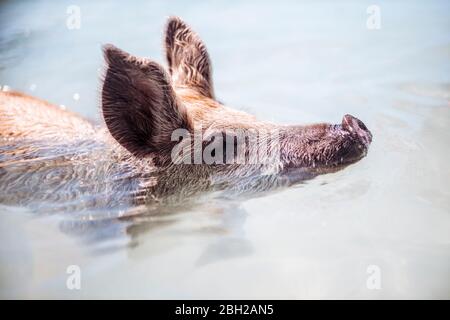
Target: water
x,y
296,62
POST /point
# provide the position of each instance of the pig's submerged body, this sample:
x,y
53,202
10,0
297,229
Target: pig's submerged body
x,y
66,161
50,156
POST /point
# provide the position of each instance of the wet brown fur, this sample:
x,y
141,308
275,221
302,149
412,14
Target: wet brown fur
x,y
23,116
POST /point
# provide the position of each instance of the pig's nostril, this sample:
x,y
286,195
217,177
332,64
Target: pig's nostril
x,y
356,127
351,124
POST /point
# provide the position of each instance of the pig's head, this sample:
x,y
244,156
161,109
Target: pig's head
x,y
143,105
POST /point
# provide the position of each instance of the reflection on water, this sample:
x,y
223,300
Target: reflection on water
x,y
297,63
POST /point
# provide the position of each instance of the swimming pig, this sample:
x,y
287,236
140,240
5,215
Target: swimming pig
x,y
166,135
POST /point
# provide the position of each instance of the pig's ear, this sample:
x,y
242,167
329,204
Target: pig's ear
x,y
138,103
188,60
